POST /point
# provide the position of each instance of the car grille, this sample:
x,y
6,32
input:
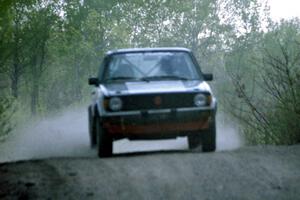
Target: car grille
x,y
157,101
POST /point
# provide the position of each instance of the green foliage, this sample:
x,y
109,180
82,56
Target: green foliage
x,y
6,111
268,86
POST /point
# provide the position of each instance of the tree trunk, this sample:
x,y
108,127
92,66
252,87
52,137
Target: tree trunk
x,y
15,79
15,72
38,60
34,86
34,98
77,85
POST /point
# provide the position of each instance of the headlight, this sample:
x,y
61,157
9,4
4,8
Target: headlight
x,y
115,104
200,100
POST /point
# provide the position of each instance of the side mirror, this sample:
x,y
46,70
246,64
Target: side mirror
x,y
208,77
94,81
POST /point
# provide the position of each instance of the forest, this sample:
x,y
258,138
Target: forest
x,y
49,49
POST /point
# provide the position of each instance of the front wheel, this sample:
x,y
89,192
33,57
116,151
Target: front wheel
x,y
209,138
194,140
92,133
104,142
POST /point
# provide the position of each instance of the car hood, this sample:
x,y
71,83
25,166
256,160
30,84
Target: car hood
x,y
170,86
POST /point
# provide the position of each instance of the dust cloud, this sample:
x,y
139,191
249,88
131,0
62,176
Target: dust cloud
x,y
63,135
66,135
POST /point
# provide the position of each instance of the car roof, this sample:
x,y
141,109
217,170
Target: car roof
x,y
137,50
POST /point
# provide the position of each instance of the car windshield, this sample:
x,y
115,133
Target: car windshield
x,y
149,66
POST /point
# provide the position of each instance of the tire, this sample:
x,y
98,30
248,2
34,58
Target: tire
x,y
209,138
93,138
104,141
194,141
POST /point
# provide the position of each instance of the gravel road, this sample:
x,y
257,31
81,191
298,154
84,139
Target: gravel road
x,y
248,173
51,159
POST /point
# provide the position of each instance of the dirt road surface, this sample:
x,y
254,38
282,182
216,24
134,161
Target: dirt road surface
x,y
51,159
248,173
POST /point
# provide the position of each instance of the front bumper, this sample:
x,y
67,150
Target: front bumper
x,y
152,124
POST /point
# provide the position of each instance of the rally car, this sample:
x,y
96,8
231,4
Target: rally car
x,y
151,93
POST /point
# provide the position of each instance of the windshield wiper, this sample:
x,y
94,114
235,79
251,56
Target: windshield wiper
x,y
164,77
120,78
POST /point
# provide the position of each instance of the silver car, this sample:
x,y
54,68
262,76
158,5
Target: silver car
x,y
151,93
